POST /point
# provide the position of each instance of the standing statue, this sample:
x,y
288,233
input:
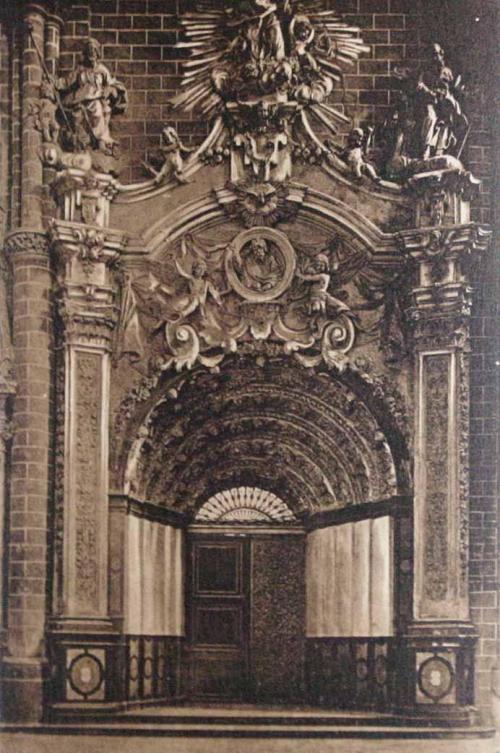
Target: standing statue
x,y
441,123
90,95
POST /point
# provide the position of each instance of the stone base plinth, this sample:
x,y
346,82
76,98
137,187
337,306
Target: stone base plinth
x,y
23,685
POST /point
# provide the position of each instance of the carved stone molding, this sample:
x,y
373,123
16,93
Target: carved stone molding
x,y
88,246
84,196
443,195
25,241
441,300
264,204
88,258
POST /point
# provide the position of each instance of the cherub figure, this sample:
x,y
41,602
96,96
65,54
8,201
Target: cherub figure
x,y
171,150
45,114
355,154
318,275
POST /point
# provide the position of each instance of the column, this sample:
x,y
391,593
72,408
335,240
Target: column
x,y
23,665
23,670
84,638
437,677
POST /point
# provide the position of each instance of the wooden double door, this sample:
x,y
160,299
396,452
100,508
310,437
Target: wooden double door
x,y
244,619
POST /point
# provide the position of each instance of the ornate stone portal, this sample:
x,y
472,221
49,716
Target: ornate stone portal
x,y
301,335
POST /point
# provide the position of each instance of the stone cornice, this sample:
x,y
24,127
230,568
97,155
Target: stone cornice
x,y
89,244
423,244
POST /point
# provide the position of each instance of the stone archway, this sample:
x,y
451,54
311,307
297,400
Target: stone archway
x,y
324,444
204,432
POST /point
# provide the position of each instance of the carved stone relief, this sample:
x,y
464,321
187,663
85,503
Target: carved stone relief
x,y
436,444
199,301
87,461
226,429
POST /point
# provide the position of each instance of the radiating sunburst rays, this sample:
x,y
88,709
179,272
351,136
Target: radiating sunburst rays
x,y
245,504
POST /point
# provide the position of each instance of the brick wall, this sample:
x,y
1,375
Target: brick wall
x,y
10,125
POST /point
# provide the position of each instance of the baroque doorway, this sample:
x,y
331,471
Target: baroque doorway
x,y
245,600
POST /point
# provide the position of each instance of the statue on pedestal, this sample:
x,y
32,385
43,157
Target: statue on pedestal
x,y
91,96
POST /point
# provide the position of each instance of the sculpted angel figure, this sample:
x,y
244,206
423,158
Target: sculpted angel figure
x,y
173,289
171,150
200,287
318,275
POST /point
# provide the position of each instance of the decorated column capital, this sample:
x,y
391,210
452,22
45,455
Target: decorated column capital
x,y
87,257
26,241
441,295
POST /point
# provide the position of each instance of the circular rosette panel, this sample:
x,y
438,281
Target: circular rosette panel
x,y
85,674
436,678
260,264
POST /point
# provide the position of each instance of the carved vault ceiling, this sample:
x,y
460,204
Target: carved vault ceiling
x,y
302,436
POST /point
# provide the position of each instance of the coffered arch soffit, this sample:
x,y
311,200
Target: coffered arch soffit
x,y
307,437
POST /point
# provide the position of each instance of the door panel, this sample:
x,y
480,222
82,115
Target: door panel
x,y
217,618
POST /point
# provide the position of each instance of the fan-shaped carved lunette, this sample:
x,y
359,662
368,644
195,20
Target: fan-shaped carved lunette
x,y
245,504
289,484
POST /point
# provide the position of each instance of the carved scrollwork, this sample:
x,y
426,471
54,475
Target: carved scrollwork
x,y
205,300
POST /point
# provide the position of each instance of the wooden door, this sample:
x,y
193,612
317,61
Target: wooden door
x,y
217,618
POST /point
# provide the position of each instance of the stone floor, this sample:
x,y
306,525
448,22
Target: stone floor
x,y
46,743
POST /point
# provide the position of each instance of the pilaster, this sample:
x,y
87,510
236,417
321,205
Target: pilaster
x,y
82,633
437,674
